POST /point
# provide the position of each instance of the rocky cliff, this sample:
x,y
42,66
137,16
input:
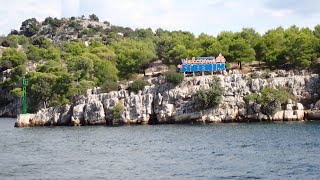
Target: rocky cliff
x,y
165,103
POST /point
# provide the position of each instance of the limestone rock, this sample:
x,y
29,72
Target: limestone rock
x,y
94,113
78,114
317,105
288,115
211,119
289,107
300,106
313,114
24,120
299,114
278,116
167,103
65,115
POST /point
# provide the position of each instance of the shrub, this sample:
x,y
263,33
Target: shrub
x,y
228,66
93,17
107,23
12,58
174,77
74,24
11,41
137,85
23,40
270,99
5,43
98,29
109,85
210,98
116,111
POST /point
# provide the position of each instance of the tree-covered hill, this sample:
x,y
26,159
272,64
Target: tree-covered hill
x,y
64,57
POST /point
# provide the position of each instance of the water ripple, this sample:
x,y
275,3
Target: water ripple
x,y
218,151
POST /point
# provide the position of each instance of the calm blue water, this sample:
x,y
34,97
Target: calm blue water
x,y
287,150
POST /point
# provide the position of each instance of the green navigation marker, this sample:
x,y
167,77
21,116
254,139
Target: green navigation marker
x,y
24,97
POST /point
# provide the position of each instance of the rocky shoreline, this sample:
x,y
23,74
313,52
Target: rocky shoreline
x,y
163,103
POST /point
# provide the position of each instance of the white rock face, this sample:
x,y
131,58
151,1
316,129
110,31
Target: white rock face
x,y
78,113
300,106
94,113
166,103
278,116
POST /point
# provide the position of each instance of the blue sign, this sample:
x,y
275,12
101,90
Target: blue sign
x,y
202,64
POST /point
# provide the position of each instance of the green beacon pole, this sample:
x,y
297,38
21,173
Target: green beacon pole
x,y
24,96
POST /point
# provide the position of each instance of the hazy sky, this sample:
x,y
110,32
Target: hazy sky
x,y
208,16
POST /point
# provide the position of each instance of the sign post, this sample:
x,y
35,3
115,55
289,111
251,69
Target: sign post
x,y
24,96
202,64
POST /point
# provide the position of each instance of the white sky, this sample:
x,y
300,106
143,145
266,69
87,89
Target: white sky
x,y
197,16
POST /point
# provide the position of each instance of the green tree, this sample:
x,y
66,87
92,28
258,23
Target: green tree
x,y
133,55
254,39
34,53
51,53
251,36
41,89
74,49
63,89
226,40
301,47
177,53
104,53
80,67
273,47
210,45
47,20
241,51
105,72
12,58
51,66
176,45
53,22
93,17
316,31
15,77
41,42
164,44
17,92
145,33
30,27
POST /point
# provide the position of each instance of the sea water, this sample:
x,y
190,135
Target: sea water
x,y
280,150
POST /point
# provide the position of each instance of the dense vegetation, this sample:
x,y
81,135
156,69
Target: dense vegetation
x,y
212,97
137,85
116,111
270,99
174,77
67,67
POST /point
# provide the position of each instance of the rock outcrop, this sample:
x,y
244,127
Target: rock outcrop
x,y
166,103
